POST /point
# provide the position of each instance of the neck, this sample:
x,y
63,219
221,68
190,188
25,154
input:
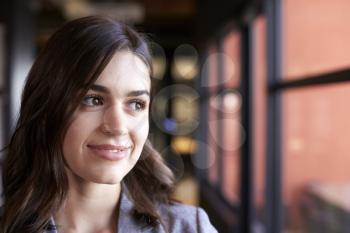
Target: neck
x,y
89,207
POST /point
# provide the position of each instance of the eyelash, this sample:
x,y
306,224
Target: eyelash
x,y
142,104
92,97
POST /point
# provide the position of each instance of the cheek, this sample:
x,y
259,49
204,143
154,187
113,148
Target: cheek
x,y
78,131
71,141
141,130
71,132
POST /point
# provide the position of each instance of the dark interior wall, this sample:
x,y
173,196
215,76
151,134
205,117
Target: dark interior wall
x,y
211,16
3,7
19,52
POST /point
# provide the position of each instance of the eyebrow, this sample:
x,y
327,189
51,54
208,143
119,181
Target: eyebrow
x,y
103,89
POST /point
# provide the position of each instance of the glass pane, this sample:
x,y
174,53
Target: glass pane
x,y
316,37
231,58
231,143
316,174
212,137
259,116
210,70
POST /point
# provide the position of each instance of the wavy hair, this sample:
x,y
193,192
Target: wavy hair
x,y
34,181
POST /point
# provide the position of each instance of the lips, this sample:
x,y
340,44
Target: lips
x,y
109,151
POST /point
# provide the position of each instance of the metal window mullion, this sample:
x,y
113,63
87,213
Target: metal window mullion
x,y
338,76
202,130
274,211
246,220
19,56
220,126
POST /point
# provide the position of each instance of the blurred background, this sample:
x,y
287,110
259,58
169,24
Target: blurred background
x,y
251,108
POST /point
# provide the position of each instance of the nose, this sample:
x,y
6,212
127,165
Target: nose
x,y
114,120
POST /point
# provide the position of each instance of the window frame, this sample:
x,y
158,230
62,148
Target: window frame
x,y
276,87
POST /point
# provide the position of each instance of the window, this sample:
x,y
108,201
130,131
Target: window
x,y
315,149
230,117
259,113
226,134
213,103
314,117
316,37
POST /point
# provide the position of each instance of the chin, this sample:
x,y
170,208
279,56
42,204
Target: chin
x,y
110,182
107,179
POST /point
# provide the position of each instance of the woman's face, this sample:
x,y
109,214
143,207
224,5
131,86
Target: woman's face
x,y
110,127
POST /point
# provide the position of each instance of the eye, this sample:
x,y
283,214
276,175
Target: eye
x,y
137,105
92,100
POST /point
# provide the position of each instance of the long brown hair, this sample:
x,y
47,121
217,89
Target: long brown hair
x,y
34,180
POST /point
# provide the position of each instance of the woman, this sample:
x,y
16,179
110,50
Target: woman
x,y
79,159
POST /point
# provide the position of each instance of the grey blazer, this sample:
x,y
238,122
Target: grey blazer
x,y
178,218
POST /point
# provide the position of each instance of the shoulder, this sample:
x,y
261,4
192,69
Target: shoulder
x,y
184,218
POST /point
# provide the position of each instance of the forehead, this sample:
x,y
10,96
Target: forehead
x,y
125,71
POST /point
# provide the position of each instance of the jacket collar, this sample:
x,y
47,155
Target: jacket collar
x,y
127,222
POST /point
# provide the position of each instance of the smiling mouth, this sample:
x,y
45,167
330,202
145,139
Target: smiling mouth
x,y
110,152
